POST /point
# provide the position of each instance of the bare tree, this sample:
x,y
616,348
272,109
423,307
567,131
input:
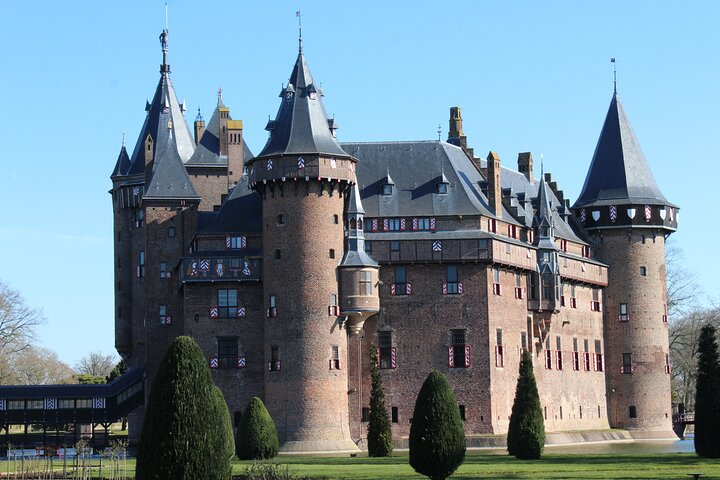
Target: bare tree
x,y
682,288
39,366
96,364
684,334
17,327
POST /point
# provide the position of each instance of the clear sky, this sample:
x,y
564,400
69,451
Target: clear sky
x,y
529,76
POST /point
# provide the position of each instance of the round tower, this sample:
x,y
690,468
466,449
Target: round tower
x,y
628,218
303,176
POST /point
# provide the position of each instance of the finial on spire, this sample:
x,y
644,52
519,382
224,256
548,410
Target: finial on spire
x,y
299,17
439,131
199,117
542,168
164,42
123,140
612,60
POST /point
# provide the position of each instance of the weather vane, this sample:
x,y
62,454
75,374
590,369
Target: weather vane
x,y
299,17
612,60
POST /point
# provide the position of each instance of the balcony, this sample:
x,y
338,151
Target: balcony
x,y
214,269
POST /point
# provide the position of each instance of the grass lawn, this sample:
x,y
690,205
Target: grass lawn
x,y
482,465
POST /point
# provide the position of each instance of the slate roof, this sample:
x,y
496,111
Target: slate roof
x,y
207,151
169,177
241,212
164,107
122,164
355,255
619,173
74,390
301,125
527,194
416,168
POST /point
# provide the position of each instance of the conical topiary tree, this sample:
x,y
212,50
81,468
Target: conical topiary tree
x,y
707,398
224,447
437,438
526,433
256,435
181,436
379,436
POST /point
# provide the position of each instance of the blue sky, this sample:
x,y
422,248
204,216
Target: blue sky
x,y
529,76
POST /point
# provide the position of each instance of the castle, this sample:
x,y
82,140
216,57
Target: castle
x,y
288,266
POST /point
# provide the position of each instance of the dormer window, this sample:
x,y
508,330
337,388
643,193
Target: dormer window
x,y
442,188
312,92
387,189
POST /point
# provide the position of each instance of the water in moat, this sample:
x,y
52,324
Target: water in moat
x,y
610,448
638,447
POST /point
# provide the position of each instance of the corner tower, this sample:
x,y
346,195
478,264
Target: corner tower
x,y
303,175
629,219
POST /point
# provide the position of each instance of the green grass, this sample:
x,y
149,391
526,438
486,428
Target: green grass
x,y
482,465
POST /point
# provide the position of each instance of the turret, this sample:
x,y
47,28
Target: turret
x,y
359,298
628,218
548,268
303,175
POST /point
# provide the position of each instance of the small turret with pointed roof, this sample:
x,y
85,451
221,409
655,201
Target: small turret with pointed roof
x,y
544,220
122,164
548,266
168,179
358,272
355,243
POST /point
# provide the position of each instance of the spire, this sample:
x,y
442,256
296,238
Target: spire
x,y
545,220
169,179
164,119
354,203
122,165
619,173
301,125
355,255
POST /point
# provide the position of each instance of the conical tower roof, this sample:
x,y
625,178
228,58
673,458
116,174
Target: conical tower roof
x,y
169,178
164,119
619,173
123,163
301,125
545,220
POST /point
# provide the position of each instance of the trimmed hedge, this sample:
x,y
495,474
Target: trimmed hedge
x,y
256,435
379,436
526,433
182,437
707,397
437,438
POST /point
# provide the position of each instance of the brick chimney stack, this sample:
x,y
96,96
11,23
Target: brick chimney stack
x,y
494,184
525,165
199,127
148,147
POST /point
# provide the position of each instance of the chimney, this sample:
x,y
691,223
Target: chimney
x,y
148,147
494,185
235,151
224,117
455,133
199,127
525,165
